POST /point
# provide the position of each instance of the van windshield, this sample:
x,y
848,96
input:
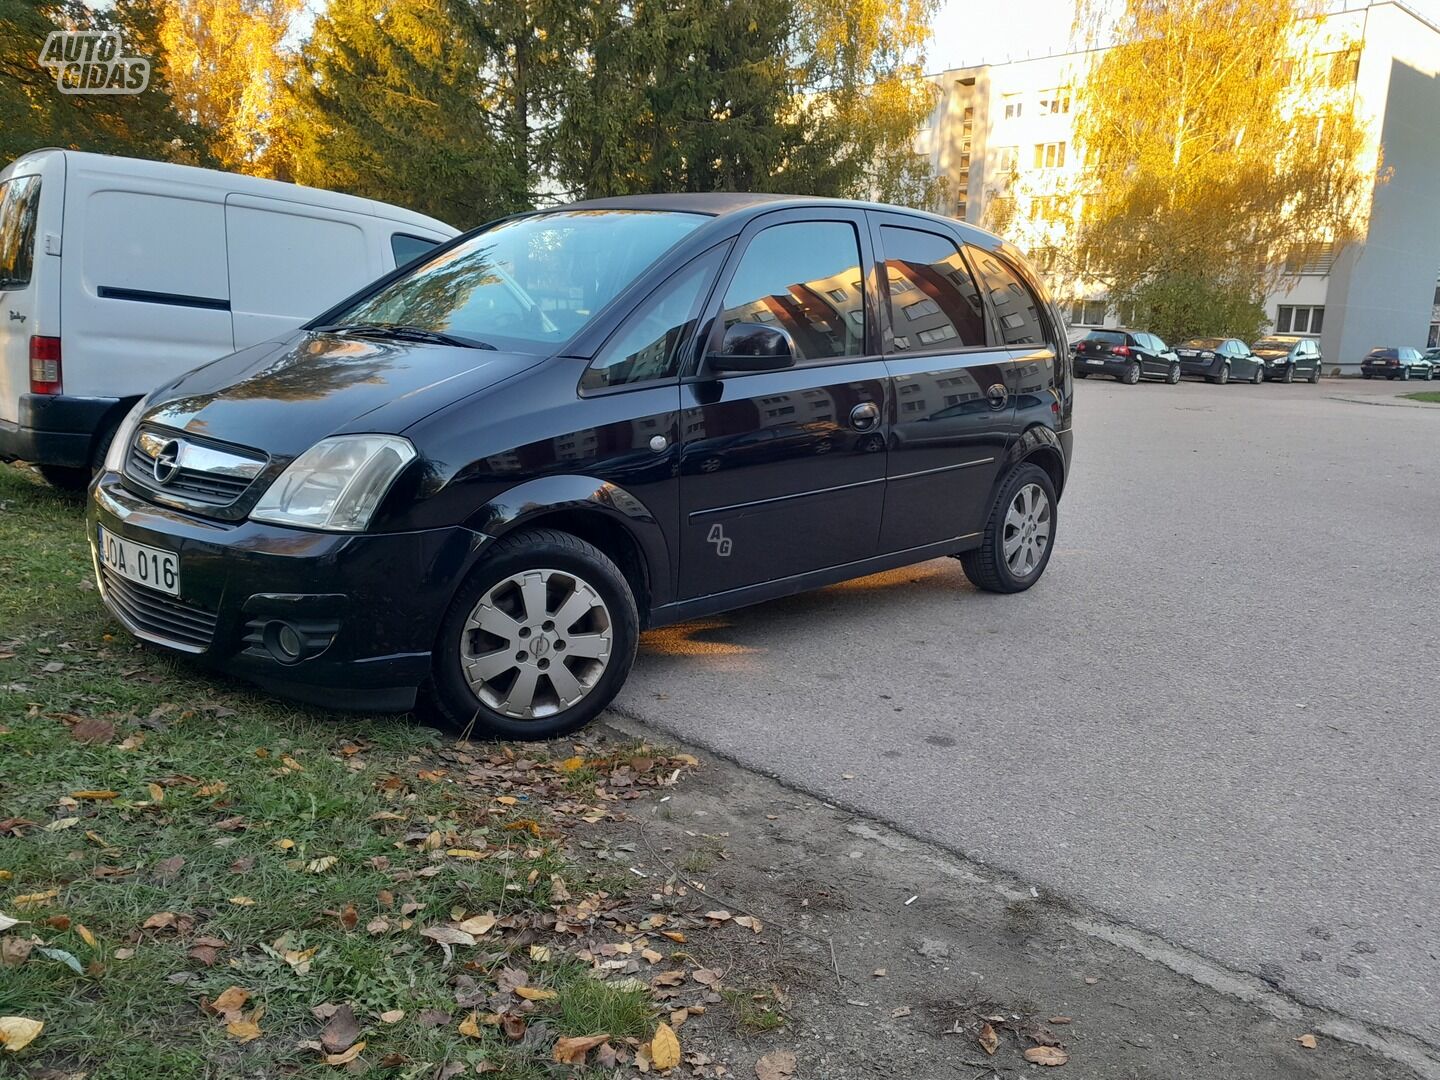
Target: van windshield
x,y
19,209
532,282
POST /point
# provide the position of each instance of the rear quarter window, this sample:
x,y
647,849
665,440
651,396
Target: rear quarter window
x,y
19,211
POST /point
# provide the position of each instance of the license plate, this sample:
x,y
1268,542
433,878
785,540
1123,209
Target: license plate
x,y
1097,363
148,566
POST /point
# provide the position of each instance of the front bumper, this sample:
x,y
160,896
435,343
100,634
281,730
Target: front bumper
x,y
1275,369
366,607
54,429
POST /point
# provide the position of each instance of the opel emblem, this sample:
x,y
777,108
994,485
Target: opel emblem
x,y
167,462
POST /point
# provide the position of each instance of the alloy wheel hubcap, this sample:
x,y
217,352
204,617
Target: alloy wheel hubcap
x,y
536,644
1027,530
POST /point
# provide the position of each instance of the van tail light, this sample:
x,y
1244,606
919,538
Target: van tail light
x,y
1121,350
45,377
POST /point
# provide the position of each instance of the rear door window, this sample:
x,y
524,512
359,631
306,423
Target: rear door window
x,y
19,211
1016,308
934,303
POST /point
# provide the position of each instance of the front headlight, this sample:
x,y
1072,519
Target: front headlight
x,y
120,443
1207,355
336,484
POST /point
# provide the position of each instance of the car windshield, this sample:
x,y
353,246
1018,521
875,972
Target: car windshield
x,y
528,284
1272,343
1203,343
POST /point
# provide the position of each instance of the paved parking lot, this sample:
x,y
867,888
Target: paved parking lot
x,y
1214,719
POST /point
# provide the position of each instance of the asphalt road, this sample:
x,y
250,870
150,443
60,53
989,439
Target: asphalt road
x,y
1216,717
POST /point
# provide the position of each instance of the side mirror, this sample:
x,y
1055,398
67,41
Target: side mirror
x,y
753,347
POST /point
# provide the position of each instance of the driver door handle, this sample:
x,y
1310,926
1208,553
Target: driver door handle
x,y
865,416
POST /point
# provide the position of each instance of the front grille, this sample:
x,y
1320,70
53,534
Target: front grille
x,y
212,489
157,614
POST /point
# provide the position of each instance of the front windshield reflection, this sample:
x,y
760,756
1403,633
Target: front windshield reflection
x,y
532,282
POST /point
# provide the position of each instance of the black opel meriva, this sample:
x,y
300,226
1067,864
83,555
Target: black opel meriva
x,y
484,475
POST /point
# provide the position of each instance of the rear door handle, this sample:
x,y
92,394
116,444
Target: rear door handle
x,y
998,395
865,416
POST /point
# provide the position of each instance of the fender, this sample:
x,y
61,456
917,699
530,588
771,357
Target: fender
x,y
534,499
1035,440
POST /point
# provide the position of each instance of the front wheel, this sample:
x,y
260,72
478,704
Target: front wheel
x,y
1019,534
1082,374
1289,376
538,640
1257,378
1315,374
1173,378
1365,375
66,477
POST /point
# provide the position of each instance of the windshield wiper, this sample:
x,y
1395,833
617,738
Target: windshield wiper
x,y
401,332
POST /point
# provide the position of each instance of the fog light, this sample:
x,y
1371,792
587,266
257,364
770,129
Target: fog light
x,y
283,642
290,643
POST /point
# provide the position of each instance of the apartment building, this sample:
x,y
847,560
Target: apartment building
x,y
1003,136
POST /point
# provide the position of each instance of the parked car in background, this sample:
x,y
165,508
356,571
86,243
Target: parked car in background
x,y
1396,362
1286,356
1128,355
488,472
1220,360
117,275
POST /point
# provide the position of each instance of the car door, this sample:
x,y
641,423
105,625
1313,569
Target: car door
x,y
952,386
1246,362
782,471
1151,362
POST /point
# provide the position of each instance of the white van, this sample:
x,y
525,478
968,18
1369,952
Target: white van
x,y
116,275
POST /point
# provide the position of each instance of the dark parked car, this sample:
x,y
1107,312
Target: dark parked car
x,y
1401,362
1128,355
486,473
1287,356
1220,360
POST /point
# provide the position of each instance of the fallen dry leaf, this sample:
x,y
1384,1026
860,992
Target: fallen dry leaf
x,y
572,1051
779,1065
531,993
6,922
93,731
230,1002
242,901
1308,1041
477,925
347,1056
1046,1055
341,1030
85,935
95,795
573,764
470,1027
18,1032
664,1048
392,1016
989,1041
320,865
166,869
216,788
247,1028
447,935
161,920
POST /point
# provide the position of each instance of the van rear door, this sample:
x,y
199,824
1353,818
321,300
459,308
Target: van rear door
x,y
32,198
291,261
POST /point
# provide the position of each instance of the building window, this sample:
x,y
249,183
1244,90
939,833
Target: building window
x,y
1054,102
935,334
1311,259
1007,159
1290,319
838,295
1344,67
1087,313
1013,107
967,121
1049,155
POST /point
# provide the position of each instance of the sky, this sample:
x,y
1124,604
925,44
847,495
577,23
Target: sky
x,y
991,31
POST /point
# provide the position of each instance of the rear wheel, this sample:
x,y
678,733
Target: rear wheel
x,y
1364,374
66,477
1224,376
1019,534
538,639
1173,378
1131,375
1405,375
1082,374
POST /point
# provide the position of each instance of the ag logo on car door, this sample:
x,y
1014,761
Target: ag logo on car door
x,y
722,542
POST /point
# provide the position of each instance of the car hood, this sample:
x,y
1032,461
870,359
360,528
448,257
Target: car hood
x,y
283,398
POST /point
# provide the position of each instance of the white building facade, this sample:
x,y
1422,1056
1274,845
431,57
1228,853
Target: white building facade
x,y
1004,131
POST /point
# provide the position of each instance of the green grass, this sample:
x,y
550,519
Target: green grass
x,y
1430,396
753,1012
357,795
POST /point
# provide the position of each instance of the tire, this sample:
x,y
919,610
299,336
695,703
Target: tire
x,y
988,566
568,570
1365,375
1315,374
66,477
1259,376
1173,378
1289,376
1224,377
1082,374
1132,374
1405,375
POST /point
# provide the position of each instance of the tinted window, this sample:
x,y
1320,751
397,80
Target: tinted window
x,y
1202,343
933,299
648,345
407,249
790,276
19,209
530,283
1107,337
1016,308
1383,354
